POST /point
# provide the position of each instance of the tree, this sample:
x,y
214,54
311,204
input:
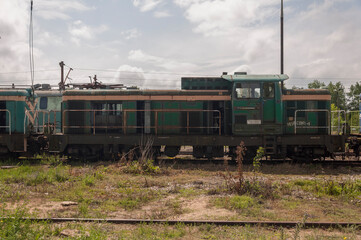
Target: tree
x,y
338,96
353,97
316,85
337,91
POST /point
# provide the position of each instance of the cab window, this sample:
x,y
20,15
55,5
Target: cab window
x,y
248,90
43,103
268,90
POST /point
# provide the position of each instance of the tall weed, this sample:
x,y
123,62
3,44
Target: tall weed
x,y
254,186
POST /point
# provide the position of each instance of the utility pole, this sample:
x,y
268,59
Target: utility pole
x,y
282,70
61,84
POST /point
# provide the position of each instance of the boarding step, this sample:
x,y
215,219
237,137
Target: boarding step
x,y
270,145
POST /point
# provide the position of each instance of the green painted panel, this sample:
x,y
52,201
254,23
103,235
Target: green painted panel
x,y
131,115
168,122
306,120
17,113
269,110
247,116
279,105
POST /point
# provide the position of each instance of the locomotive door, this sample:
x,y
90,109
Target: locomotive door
x,y
247,108
2,117
269,102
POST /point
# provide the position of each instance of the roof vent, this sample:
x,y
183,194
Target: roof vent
x,y
240,73
45,86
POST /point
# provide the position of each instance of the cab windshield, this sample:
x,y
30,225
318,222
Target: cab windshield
x,y
248,90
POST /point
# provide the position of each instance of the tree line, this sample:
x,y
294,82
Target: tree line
x,y
339,97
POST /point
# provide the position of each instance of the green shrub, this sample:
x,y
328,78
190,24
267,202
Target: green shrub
x,y
89,180
142,167
35,175
347,189
241,202
236,202
16,227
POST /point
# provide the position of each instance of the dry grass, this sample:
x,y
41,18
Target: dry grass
x,y
108,191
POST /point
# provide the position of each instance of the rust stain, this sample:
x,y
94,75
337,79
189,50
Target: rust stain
x,y
12,98
145,98
306,97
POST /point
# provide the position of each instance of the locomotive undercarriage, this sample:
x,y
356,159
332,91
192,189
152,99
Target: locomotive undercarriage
x,y
300,147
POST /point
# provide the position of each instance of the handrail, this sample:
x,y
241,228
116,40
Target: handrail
x,y
54,117
312,127
46,122
338,120
7,126
127,111
358,120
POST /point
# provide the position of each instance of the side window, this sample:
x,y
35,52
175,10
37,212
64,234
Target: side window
x,y
43,103
107,108
268,90
248,90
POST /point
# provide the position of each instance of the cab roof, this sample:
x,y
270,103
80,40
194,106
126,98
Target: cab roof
x,y
263,78
15,92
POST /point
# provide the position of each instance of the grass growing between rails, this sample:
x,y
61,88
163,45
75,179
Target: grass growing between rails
x,y
110,190
14,225
17,228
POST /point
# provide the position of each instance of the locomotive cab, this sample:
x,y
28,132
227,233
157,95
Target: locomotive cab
x,y
256,104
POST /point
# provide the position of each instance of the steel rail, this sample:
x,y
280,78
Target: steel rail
x,y
288,224
263,162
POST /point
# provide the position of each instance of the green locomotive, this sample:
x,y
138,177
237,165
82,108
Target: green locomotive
x,y
213,115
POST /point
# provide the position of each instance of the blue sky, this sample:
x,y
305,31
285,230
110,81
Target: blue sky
x,y
152,43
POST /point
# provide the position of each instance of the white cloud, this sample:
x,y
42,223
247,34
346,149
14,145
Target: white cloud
x,y
321,37
14,49
162,74
131,34
58,9
146,5
45,38
223,17
163,63
129,76
14,42
161,14
138,55
79,31
324,41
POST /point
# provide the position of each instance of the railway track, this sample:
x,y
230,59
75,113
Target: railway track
x,y
286,224
328,162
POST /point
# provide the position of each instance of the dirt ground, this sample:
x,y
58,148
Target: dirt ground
x,y
111,190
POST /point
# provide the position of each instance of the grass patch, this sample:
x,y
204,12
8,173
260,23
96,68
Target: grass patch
x,y
166,232
235,202
189,192
348,189
16,227
35,175
142,167
132,198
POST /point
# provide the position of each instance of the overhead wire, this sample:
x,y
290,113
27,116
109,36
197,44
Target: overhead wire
x,y
144,72
25,72
171,73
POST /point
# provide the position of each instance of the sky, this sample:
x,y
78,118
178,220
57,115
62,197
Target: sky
x,y
153,43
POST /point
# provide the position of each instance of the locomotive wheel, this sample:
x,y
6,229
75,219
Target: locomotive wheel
x,y
250,155
198,151
171,151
